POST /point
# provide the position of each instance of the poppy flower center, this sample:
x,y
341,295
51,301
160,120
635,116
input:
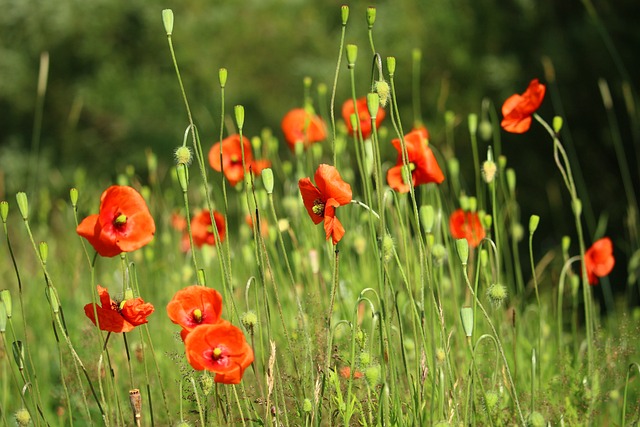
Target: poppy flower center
x,y
120,220
235,158
217,353
318,207
197,315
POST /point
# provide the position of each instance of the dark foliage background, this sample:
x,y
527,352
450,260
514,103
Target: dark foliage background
x,y
112,92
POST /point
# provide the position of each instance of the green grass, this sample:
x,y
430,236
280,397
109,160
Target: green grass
x,y
386,301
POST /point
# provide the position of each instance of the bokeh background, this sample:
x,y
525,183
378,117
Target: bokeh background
x,y
112,95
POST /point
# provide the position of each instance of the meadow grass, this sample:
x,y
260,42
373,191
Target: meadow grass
x,y
399,323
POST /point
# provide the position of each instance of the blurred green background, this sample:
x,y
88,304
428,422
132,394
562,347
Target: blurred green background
x,y
112,91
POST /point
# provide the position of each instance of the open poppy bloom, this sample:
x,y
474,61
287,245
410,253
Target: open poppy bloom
x,y
193,306
599,260
345,372
124,223
364,117
322,199
466,225
232,150
517,109
202,229
422,163
118,316
220,348
301,126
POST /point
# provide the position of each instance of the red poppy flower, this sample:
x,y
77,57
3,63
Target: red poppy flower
x,y
203,231
124,223
220,348
422,163
118,317
363,115
299,125
232,150
195,305
517,109
345,372
599,260
466,225
178,222
322,199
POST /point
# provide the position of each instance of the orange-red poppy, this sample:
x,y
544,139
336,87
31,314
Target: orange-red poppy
x,y
364,117
302,126
202,230
345,372
466,225
517,109
118,316
220,348
322,199
232,149
195,305
422,163
599,260
178,222
124,223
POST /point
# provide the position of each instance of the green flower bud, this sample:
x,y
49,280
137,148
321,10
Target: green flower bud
x,y
167,20
388,247
427,217
491,401
533,223
566,243
22,417
472,122
249,320
239,112
536,419
344,12
557,124
462,247
485,130
222,77
416,55
352,55
473,204
267,180
365,358
576,205
449,118
511,180
466,316
373,104
384,92
5,298
3,318
307,406
206,382
183,155
372,375
183,177
18,354
73,196
391,65
4,210
371,16
497,294
23,205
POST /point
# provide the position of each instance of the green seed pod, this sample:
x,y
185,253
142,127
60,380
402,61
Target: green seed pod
x,y
239,113
73,196
167,20
533,223
267,180
5,298
222,77
23,204
557,124
43,249
466,316
344,12
352,55
373,104
427,217
183,177
462,247
371,16
391,65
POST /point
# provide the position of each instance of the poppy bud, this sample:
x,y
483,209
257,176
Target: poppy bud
x,y
511,180
384,92
365,358
352,54
206,382
566,243
3,319
344,12
497,293
466,316
464,202
473,204
5,298
472,122
485,130
222,77
239,112
536,419
183,178
372,375
489,170
23,205
43,249
576,205
249,320
439,252
490,401
387,247
484,258
533,223
183,155
306,405
371,16
502,162
391,65
416,54
354,121
201,277
322,89
4,210
557,124
22,417
167,20
427,217
462,247
73,196
267,180
373,104
487,220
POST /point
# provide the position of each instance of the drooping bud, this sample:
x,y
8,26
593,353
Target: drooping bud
x,y
497,294
183,155
249,320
